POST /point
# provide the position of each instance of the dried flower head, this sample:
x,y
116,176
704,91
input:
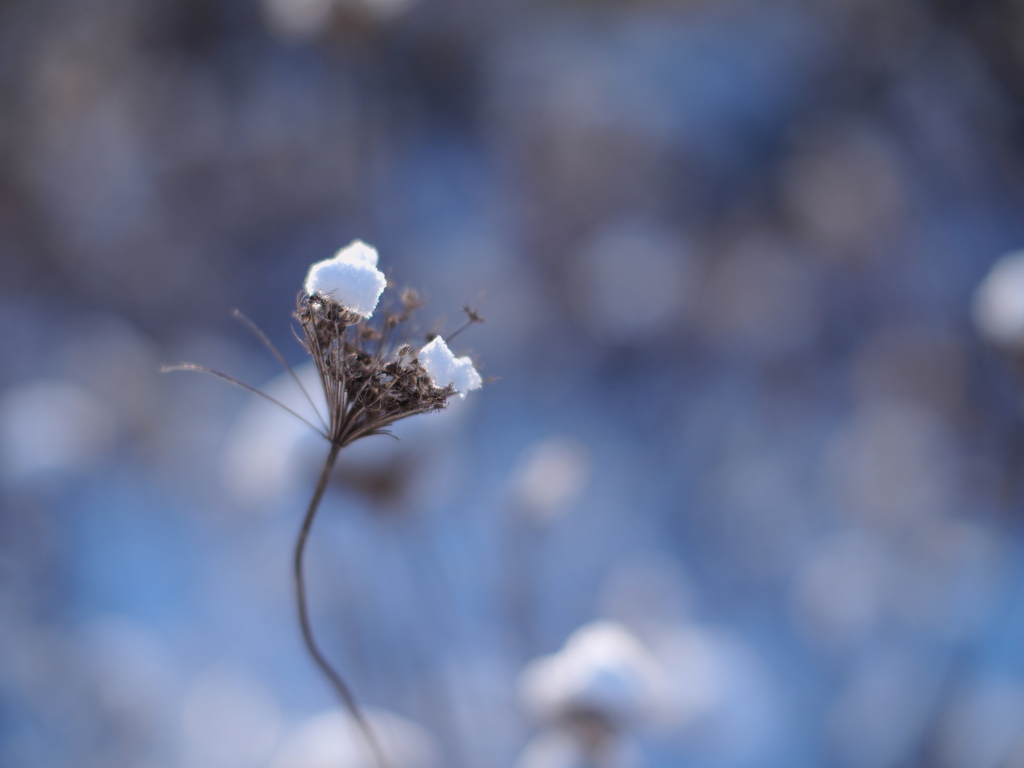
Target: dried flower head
x,y
369,383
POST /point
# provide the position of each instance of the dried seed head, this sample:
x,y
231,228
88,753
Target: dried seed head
x,y
368,385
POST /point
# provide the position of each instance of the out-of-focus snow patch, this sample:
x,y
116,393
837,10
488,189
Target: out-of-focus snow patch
x,y
648,591
269,450
602,669
383,10
51,426
984,727
558,749
351,278
444,368
304,19
999,302
132,674
840,589
718,701
230,720
761,298
551,476
699,677
631,283
332,740
891,466
883,709
297,18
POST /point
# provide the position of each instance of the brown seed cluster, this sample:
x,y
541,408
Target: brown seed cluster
x,y
368,383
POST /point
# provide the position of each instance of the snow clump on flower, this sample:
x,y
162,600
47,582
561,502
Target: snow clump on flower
x,y
351,278
444,368
999,302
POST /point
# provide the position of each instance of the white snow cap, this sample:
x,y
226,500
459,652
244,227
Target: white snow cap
x,y
351,278
444,368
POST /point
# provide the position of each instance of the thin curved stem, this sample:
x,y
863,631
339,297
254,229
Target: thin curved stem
x,y
339,684
243,385
266,342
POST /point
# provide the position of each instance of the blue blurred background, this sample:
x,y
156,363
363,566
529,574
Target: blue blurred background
x,y
725,252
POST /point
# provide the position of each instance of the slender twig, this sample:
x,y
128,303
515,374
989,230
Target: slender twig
x,y
472,316
266,342
307,630
243,385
